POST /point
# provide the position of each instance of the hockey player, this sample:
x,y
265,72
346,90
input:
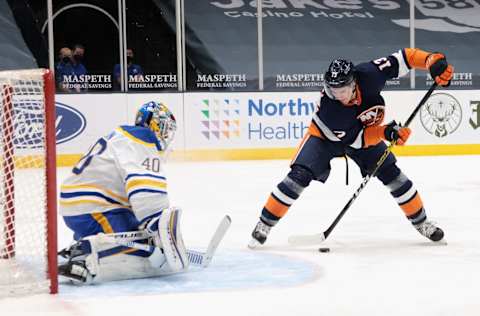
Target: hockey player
x,y
120,186
348,121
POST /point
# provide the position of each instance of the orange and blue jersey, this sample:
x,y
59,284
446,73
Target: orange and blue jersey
x,y
346,124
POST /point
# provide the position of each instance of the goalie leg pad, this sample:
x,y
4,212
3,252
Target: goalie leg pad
x,y
170,238
96,259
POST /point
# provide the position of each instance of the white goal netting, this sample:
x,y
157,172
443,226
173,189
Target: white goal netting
x,y
27,229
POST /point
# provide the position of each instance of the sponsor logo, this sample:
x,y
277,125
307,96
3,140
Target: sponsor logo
x,y
441,115
82,82
298,112
29,124
152,81
292,107
222,81
285,9
69,123
220,118
475,118
460,79
306,80
445,16
437,16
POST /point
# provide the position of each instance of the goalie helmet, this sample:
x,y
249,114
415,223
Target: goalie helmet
x,y
159,119
340,73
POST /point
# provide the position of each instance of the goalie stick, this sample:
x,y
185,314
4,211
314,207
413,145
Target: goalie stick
x,y
313,239
198,258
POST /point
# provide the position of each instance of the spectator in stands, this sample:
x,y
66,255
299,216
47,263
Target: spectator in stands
x,y
63,69
78,57
70,70
134,71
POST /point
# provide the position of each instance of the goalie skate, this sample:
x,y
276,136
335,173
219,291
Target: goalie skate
x,y
76,271
75,268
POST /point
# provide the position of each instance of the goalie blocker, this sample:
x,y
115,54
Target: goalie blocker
x,y
98,258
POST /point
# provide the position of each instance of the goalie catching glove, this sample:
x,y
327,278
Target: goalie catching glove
x,y
391,132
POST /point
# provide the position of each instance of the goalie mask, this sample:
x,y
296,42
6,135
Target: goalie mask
x,y
158,118
339,79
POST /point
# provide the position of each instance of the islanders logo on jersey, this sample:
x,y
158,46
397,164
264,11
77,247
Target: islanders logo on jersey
x,y
220,118
372,116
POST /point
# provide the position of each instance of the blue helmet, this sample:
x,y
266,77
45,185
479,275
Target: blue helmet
x,y
340,73
159,119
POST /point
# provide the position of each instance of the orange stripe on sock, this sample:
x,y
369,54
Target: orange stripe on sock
x,y
276,208
413,206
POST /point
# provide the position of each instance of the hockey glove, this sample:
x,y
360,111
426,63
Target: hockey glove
x,y
439,69
395,132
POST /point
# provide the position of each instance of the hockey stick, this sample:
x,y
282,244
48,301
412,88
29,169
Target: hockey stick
x,y
203,259
304,240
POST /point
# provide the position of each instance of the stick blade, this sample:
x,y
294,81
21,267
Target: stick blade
x,y
306,240
216,239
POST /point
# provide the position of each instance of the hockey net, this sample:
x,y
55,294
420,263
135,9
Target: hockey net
x,y
28,229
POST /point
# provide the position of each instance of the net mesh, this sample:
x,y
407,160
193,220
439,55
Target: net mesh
x,y
23,205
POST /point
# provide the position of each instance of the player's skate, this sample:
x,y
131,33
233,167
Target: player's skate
x,y
259,234
430,230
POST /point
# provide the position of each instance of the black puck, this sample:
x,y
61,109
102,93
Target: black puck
x,y
324,249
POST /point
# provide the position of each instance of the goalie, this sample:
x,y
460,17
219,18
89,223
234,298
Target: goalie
x,y
119,186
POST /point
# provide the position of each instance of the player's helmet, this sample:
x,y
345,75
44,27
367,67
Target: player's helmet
x,y
158,118
340,73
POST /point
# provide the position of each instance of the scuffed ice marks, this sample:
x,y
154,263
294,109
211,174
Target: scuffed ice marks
x,y
230,270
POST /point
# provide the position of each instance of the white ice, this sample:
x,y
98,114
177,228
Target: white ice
x,y
378,264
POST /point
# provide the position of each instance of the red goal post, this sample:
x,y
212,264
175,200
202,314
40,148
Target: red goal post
x,y
28,210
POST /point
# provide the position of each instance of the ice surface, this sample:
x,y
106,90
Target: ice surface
x,y
378,264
